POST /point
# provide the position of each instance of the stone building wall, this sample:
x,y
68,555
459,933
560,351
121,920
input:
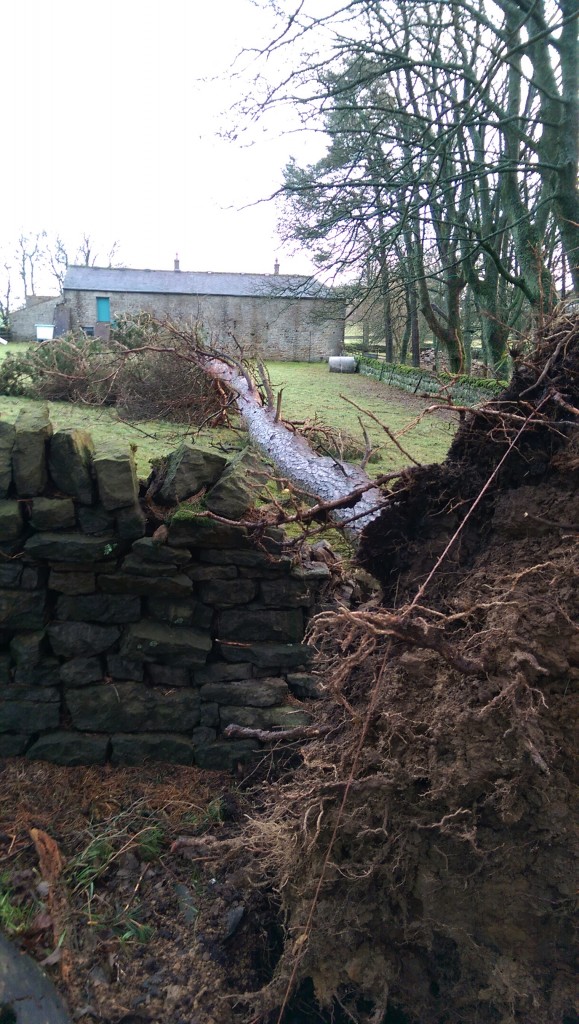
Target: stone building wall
x,y
300,329
123,647
39,309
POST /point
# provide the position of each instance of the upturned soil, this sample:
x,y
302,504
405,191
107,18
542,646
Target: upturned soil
x,y
416,864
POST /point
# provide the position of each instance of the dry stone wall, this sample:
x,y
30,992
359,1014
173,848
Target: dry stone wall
x,y
123,647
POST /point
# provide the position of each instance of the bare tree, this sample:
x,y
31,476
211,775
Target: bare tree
x,y
30,256
59,258
5,296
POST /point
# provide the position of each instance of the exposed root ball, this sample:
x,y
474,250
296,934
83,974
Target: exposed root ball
x,y
424,850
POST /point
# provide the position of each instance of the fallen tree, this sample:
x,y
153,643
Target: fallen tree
x,y
345,489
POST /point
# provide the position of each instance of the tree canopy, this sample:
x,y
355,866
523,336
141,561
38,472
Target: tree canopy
x,y
452,154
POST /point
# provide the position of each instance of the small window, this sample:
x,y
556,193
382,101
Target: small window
x,y
103,310
89,331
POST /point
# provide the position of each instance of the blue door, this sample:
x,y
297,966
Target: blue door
x,y
103,311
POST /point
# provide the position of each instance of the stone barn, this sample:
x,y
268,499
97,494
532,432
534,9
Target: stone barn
x,y
286,316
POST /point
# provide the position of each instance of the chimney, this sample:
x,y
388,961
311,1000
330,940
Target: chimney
x,y
176,263
276,267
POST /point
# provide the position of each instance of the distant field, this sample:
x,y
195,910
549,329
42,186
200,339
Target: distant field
x,y
309,390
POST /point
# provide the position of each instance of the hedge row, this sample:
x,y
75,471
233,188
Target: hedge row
x,y
463,389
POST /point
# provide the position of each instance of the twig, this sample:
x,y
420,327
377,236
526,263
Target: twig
x,y
273,735
278,406
546,367
386,429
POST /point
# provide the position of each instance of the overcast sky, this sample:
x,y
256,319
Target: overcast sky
x,y
111,128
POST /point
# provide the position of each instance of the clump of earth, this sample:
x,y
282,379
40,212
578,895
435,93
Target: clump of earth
x,y
424,849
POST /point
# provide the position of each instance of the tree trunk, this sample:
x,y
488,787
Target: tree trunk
x,y
325,479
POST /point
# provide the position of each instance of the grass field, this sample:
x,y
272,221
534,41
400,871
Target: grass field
x,y
309,391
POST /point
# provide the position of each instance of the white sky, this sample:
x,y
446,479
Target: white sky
x,y
109,129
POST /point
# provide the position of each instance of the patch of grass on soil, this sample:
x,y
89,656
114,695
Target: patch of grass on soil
x,y
128,923
310,390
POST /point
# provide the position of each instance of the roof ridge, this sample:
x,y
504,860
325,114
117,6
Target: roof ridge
x,y
169,270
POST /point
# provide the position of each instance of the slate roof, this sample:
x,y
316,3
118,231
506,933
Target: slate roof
x,y
186,282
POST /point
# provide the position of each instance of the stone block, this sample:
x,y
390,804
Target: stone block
x,y
69,462
7,434
72,582
133,707
285,717
28,716
123,668
279,657
286,593
70,748
260,560
22,609
45,674
309,573
11,521
33,577
116,476
127,583
52,514
256,693
203,735
81,672
149,551
304,685
254,623
221,594
13,746
209,716
94,519
81,639
202,573
33,430
5,669
196,531
106,608
180,613
168,675
239,486
130,522
10,573
72,547
85,566
134,750
133,563
155,641
27,648
187,470
31,695
221,672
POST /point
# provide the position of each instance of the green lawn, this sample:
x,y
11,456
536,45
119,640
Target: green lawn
x,y
309,391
